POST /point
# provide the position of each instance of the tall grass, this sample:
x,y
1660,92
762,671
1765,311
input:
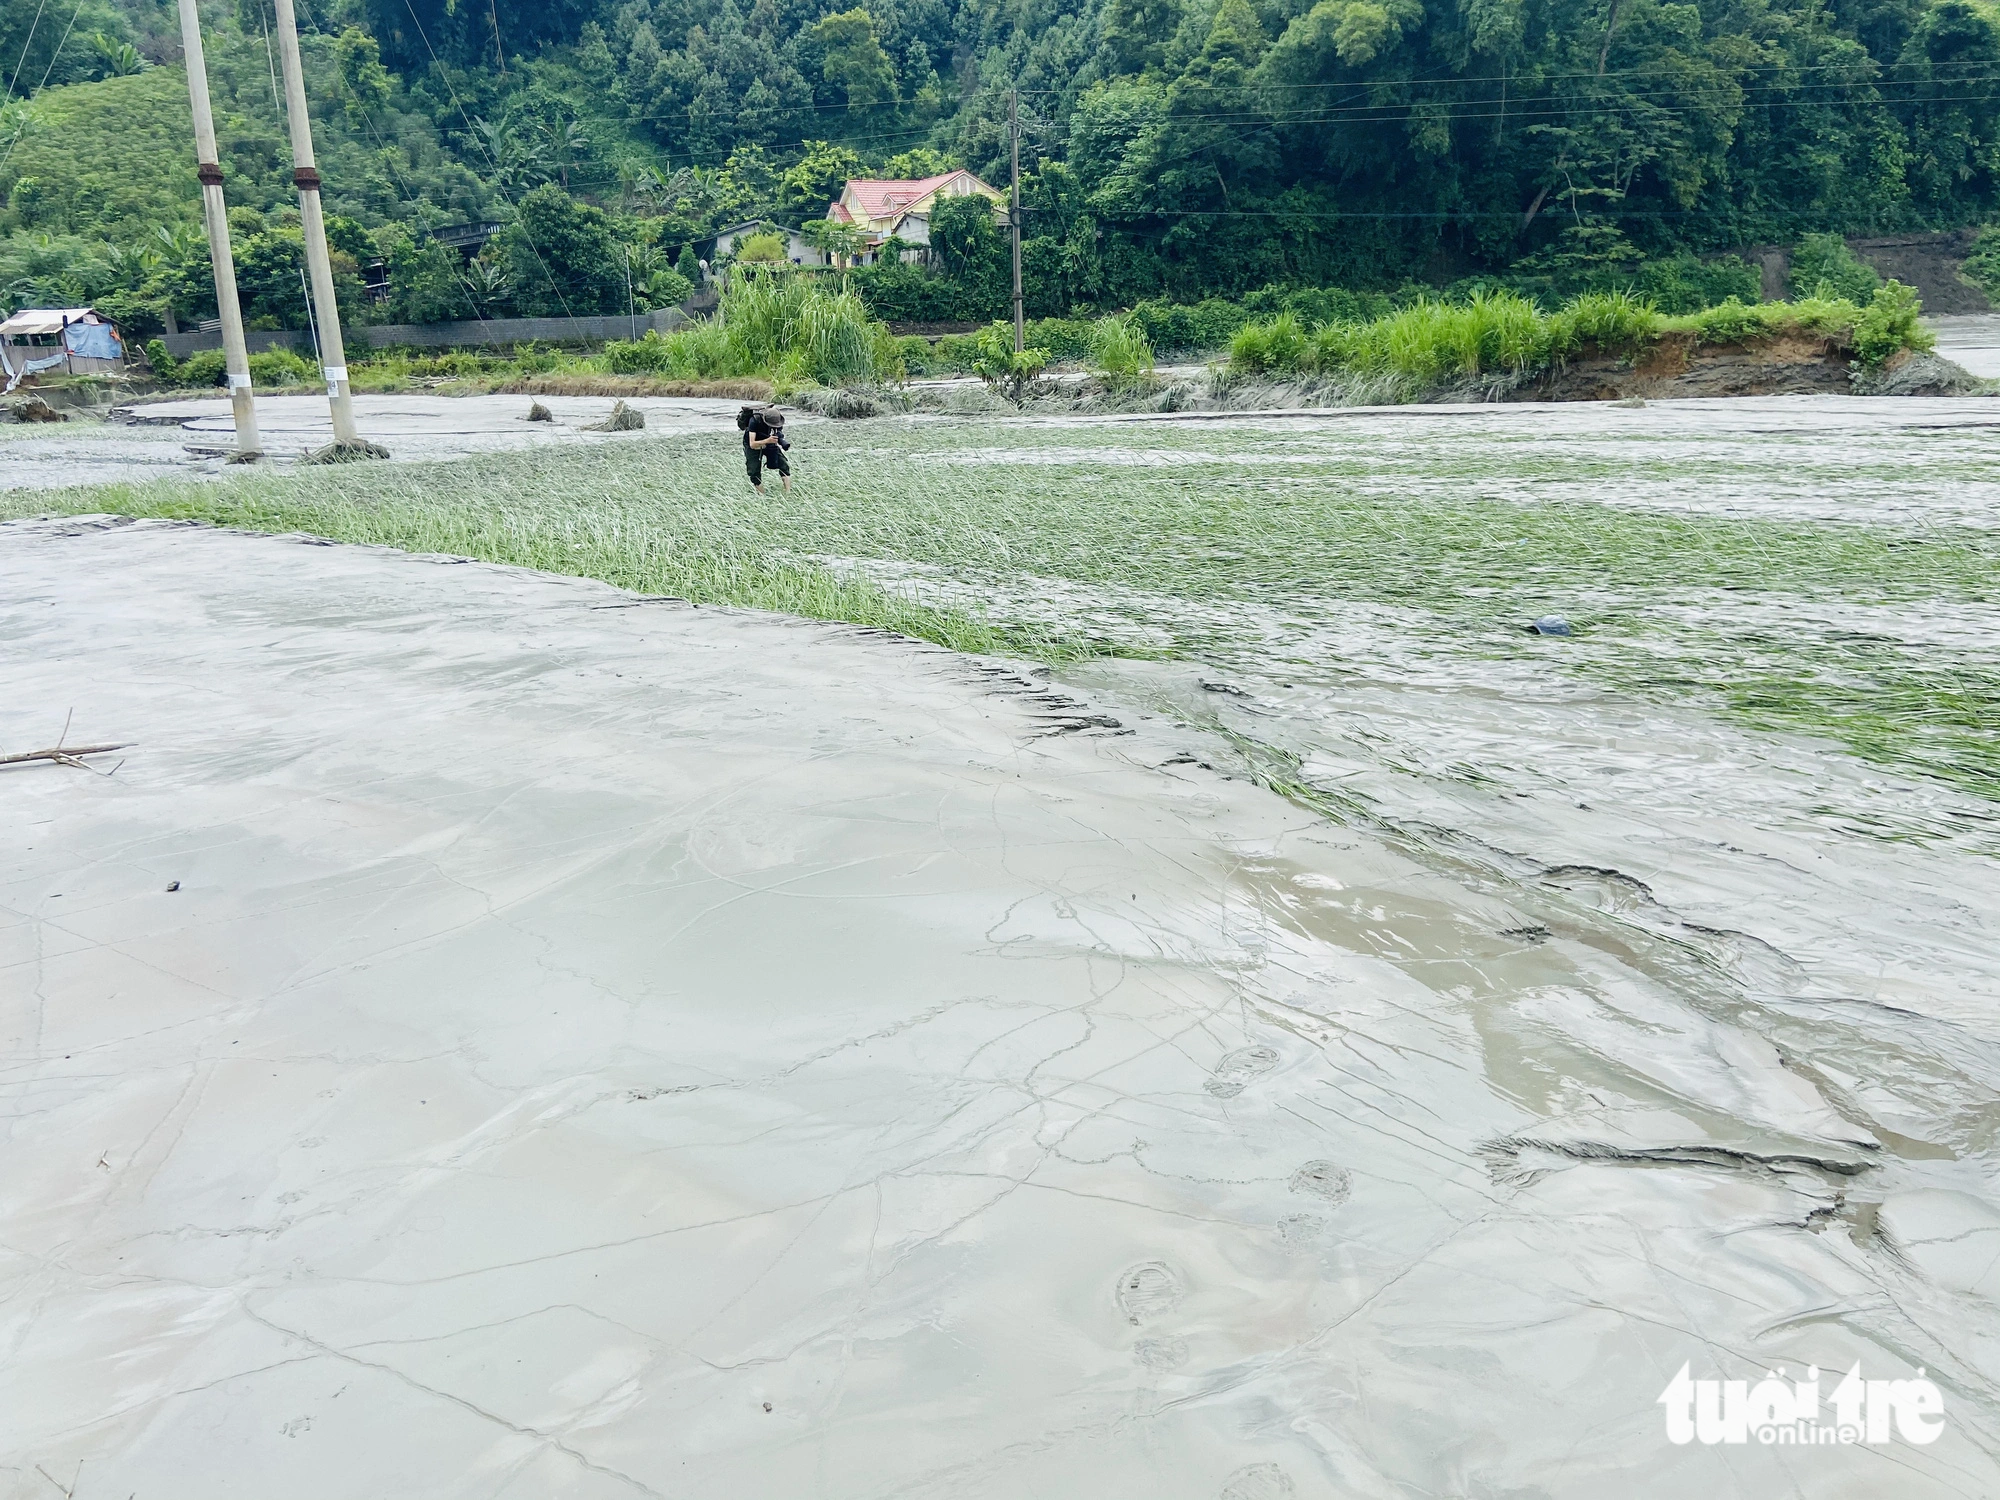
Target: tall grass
x,y
788,328
1120,351
1432,342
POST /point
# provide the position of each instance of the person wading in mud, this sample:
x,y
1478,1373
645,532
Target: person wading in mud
x,y
764,444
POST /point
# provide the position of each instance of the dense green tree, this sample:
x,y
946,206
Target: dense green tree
x,y
271,280
561,258
366,83
815,180
426,280
970,251
1170,148
853,66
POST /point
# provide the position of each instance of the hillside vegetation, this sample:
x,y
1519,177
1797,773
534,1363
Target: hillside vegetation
x,y
1173,150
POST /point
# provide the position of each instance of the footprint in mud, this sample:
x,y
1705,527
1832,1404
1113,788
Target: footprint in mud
x,y
1257,1482
1147,1290
1300,1232
1161,1355
1323,1179
1237,1069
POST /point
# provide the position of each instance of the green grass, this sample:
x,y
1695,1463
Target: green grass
x,y
1035,540
1432,342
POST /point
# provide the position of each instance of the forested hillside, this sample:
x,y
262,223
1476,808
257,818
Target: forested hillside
x,y
1171,148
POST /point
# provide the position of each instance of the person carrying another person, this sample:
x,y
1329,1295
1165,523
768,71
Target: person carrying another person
x,y
764,444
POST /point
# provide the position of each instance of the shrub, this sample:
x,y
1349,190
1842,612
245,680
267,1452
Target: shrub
x,y
832,340
1432,340
281,367
650,355
1190,328
1890,323
1824,267
1684,283
1982,265
790,327
1064,338
203,367
910,294
1729,323
1490,331
1004,370
1120,352
1272,348
667,288
1315,307
163,362
919,356
1831,317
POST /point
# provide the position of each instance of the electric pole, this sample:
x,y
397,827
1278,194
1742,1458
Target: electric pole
x,y
305,175
1013,210
208,168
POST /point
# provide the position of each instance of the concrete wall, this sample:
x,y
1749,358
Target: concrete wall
x,y
448,335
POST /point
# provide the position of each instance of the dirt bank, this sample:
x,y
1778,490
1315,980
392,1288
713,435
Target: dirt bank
x,y
1790,366
1674,367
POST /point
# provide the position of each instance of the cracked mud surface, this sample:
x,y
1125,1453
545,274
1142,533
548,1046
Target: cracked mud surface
x,y
660,1051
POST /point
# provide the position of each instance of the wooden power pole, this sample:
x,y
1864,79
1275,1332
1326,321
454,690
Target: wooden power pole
x,y
305,175
1014,210
208,167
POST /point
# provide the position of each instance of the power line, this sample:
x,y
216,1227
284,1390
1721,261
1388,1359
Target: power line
x,y
388,157
1870,61
21,134
1253,123
445,73
21,61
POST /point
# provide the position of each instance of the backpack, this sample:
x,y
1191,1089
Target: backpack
x,y
745,417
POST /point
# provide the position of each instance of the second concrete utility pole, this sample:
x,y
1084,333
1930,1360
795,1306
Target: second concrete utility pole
x,y
305,174
1013,210
208,168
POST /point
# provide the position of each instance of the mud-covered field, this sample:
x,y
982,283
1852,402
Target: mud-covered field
x,y
1497,1021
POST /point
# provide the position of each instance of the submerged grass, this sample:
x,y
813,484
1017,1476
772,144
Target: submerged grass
x,y
1056,542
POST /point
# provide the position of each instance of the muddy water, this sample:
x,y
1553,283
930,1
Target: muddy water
x,y
1762,932
499,1037
1722,965
609,1049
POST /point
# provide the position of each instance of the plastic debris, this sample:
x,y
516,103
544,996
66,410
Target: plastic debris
x,y
1550,625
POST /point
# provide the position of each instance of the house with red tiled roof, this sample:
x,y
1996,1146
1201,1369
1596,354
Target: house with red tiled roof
x,y
882,208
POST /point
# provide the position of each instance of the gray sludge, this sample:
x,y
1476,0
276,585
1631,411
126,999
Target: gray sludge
x,y
601,1047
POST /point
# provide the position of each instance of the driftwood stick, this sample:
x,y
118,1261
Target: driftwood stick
x,y
65,754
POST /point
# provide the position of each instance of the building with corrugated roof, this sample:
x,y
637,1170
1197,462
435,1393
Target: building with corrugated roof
x,y
65,340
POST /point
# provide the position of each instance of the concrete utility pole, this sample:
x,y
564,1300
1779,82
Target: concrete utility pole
x,y
1013,210
305,175
208,167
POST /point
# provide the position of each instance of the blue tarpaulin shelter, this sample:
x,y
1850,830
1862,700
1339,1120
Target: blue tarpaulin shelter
x,y
75,340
